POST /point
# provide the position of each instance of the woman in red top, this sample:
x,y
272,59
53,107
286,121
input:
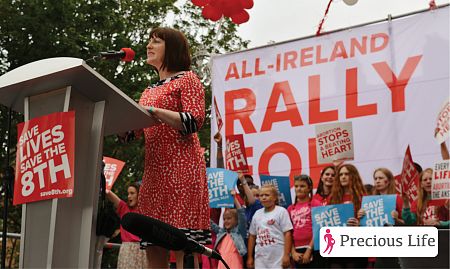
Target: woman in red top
x,y
348,188
174,186
327,176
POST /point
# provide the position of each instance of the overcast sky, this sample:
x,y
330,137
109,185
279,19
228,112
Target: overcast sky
x,y
281,20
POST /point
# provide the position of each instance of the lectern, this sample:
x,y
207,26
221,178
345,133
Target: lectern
x,y
60,233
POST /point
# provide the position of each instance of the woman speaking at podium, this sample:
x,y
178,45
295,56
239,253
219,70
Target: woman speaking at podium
x,y
174,187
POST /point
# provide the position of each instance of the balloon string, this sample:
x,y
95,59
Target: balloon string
x,y
323,19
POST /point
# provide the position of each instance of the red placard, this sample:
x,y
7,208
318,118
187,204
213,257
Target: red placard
x,y
218,116
45,158
113,167
236,160
409,177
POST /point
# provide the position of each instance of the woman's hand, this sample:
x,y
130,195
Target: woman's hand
x,y
296,256
307,256
250,262
361,213
432,222
286,261
218,138
352,222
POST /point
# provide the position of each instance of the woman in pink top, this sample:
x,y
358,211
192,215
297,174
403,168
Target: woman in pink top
x,y
130,254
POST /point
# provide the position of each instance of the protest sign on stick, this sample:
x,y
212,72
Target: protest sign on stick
x,y
334,142
220,183
378,210
236,160
409,177
113,167
283,186
440,184
45,158
330,215
443,123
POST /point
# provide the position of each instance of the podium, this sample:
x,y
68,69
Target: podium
x,y
60,233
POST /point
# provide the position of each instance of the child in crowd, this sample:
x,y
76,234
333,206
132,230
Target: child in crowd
x,y
421,212
300,214
270,232
130,254
327,176
230,239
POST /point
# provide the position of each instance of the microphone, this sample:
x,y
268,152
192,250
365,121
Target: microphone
x,y
164,235
124,54
154,231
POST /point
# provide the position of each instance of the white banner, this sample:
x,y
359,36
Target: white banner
x,y
389,79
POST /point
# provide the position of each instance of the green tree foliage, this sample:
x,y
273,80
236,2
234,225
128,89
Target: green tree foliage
x,y
31,30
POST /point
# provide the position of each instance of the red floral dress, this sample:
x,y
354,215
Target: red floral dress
x,y
174,186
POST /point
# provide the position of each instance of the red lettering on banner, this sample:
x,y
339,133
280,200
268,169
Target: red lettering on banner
x,y
306,56
373,42
362,47
290,58
319,59
291,114
315,115
258,71
243,114
245,74
353,110
232,72
281,148
338,51
249,154
397,85
278,63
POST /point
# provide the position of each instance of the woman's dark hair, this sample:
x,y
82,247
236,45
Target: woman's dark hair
x,y
134,185
176,56
307,179
320,189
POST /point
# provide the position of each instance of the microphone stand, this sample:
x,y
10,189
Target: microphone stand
x,y
8,179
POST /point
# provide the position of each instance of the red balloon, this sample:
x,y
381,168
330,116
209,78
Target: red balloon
x,y
240,17
232,7
247,4
211,12
218,4
200,3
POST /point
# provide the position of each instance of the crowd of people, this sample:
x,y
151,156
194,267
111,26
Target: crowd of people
x,y
257,233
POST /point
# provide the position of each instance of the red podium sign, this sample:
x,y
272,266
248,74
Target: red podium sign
x,y
45,158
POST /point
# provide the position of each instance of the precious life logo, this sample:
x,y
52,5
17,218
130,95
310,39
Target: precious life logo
x,y
378,241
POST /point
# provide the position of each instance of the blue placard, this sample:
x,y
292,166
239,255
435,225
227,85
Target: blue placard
x,y
283,186
378,209
329,216
220,183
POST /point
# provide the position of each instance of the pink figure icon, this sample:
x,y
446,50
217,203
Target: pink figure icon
x,y
330,241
